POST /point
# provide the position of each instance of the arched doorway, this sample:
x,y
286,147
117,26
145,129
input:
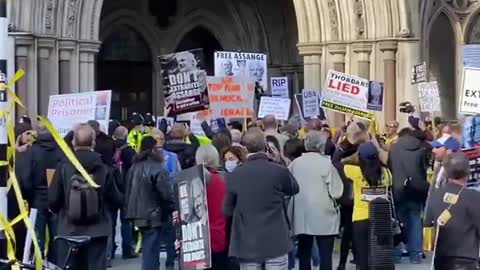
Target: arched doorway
x,y
200,37
125,67
442,63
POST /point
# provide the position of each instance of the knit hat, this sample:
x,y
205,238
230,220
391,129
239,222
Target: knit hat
x,y
367,151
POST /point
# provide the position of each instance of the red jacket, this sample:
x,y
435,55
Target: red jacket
x,y
216,190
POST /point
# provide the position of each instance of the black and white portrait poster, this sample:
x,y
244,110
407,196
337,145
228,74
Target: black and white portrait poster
x,y
253,65
375,96
184,81
193,225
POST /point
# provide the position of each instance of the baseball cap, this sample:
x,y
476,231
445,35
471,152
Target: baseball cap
x,y
367,151
448,142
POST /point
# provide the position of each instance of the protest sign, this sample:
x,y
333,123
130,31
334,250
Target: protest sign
x,y
279,86
64,111
375,96
279,107
193,223
471,55
429,97
184,81
346,94
299,102
169,120
310,103
470,96
419,73
252,65
231,97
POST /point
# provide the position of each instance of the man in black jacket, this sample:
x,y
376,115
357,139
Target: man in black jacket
x,y
104,143
255,201
178,145
94,255
408,163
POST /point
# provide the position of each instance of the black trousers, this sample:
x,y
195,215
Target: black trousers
x,y
455,263
325,248
90,257
360,236
346,243
220,261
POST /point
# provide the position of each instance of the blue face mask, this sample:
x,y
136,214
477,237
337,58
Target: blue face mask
x,y
230,165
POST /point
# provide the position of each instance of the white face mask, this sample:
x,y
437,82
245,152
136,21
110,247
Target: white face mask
x,y
230,165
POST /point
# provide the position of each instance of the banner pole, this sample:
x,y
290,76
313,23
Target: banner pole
x,y
3,122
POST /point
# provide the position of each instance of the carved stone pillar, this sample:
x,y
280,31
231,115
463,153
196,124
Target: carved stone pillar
x,y
66,66
312,55
22,47
363,51
87,51
47,72
389,49
338,52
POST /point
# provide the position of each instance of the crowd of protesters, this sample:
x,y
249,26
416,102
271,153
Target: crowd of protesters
x,y
275,193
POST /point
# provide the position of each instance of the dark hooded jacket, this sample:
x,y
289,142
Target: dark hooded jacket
x,y
407,158
52,154
185,152
108,195
105,146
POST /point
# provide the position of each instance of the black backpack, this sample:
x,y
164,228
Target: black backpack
x,y
83,201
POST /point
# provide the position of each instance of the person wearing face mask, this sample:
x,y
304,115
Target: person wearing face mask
x,y
233,157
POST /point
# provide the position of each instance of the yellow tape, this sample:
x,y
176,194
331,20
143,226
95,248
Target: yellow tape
x,y
9,235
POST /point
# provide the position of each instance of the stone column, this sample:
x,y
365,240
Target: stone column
x,y
338,52
312,55
66,66
87,51
363,51
389,49
47,72
22,47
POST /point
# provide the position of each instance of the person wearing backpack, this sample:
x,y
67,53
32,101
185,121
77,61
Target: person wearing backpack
x,y
150,199
122,161
81,208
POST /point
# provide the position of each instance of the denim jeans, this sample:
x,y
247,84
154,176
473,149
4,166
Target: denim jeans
x,y
126,233
169,236
151,248
280,263
410,214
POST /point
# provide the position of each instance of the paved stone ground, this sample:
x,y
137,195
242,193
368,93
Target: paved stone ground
x,y
119,264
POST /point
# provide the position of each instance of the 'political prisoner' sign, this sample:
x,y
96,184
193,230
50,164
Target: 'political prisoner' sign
x,y
185,81
279,86
64,111
346,94
253,65
231,97
429,97
193,224
470,97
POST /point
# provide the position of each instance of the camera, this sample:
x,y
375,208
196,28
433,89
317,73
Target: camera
x,y
407,107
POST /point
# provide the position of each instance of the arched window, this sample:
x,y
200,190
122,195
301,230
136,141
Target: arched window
x,y
125,44
200,37
474,33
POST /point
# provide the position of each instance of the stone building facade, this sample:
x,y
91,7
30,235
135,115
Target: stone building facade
x,y
72,45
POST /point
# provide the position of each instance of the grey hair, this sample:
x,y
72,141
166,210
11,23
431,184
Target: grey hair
x,y
236,136
315,141
296,121
207,155
457,166
254,141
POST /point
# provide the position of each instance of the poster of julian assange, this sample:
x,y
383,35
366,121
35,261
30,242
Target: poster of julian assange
x,y
253,65
184,81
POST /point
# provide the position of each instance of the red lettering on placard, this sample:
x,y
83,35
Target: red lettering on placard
x,y
355,90
344,87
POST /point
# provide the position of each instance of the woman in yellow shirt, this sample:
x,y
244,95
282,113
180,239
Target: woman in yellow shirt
x,y
370,181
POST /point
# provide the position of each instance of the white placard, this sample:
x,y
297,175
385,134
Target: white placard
x,y
429,97
470,96
28,238
252,65
279,86
346,94
64,111
279,107
311,106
